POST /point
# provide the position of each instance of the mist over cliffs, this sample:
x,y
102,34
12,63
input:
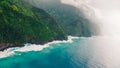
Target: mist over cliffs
x,y
41,21
72,19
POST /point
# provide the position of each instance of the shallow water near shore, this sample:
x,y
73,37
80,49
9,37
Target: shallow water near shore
x,y
91,52
61,55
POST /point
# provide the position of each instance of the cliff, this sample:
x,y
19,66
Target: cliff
x,y
22,23
72,19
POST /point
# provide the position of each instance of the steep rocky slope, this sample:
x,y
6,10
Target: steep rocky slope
x,y
22,23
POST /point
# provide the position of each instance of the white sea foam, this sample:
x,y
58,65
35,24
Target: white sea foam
x,y
32,47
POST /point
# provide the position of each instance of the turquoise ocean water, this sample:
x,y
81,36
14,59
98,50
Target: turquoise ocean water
x,y
62,55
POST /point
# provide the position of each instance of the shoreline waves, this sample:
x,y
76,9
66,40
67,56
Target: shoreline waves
x,y
32,47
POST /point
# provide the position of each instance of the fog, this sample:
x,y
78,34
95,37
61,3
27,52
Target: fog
x,y
106,46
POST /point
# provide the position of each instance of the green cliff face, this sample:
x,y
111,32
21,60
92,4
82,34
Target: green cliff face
x,y
21,23
70,18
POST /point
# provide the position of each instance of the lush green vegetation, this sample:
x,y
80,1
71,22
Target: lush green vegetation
x,y
70,18
21,23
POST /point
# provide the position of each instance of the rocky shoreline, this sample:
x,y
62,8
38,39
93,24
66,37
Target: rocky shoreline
x,y
4,46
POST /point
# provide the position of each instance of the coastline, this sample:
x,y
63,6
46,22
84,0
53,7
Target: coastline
x,y
32,47
5,46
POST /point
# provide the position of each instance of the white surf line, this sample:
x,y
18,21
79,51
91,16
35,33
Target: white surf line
x,y
32,47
